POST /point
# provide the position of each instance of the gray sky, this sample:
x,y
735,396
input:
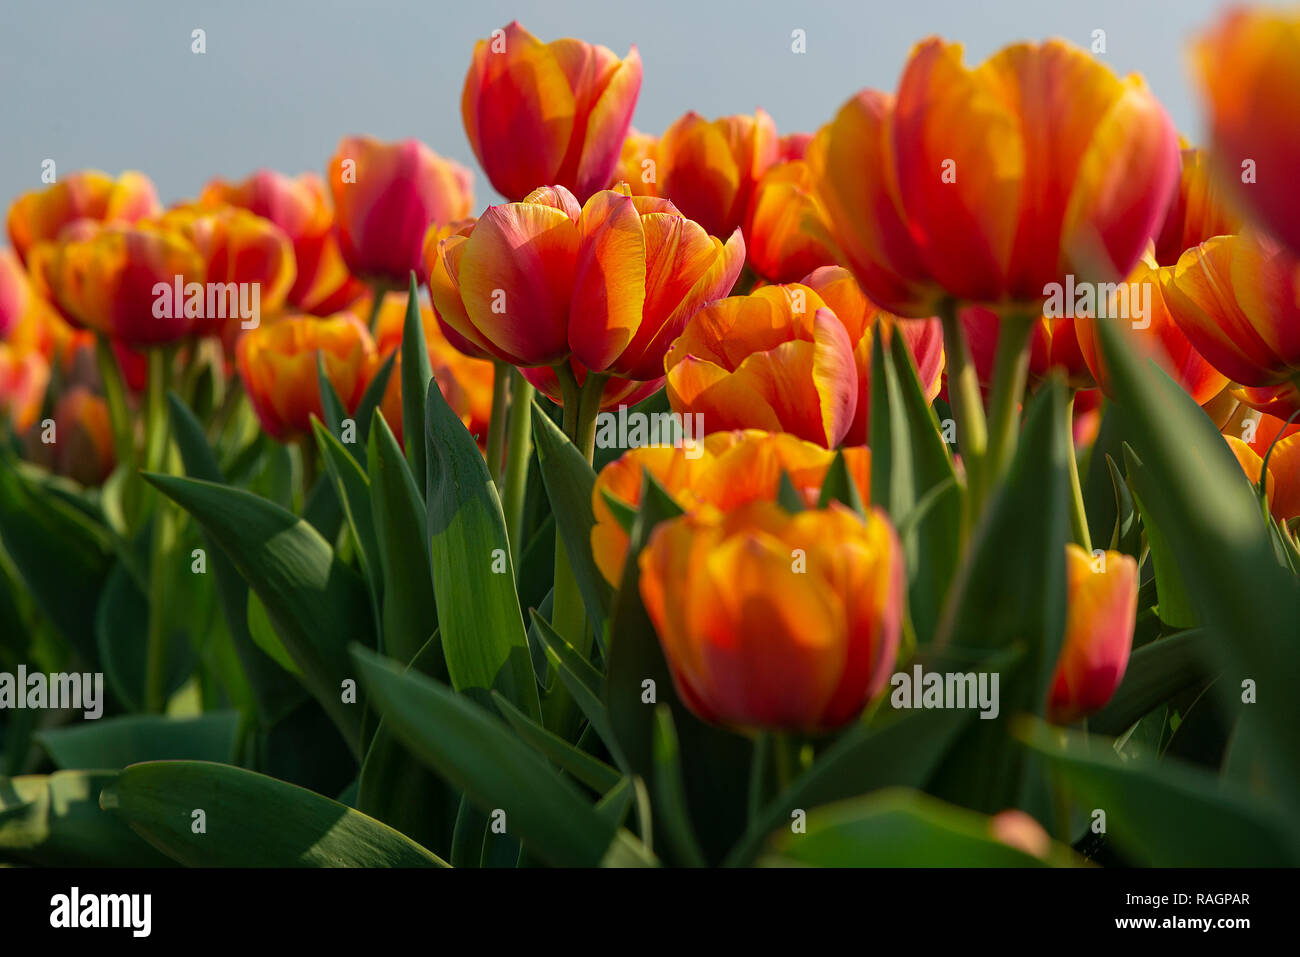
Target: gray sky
x,y
114,85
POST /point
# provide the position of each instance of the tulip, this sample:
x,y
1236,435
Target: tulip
x,y
538,113
861,317
617,390
1281,481
1237,299
82,448
1198,212
637,167
15,293
119,281
385,197
777,360
1101,610
787,235
611,283
277,363
774,620
724,471
1249,69
299,206
465,383
23,378
39,216
709,169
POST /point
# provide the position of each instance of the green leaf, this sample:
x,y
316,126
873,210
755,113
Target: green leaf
x,y
251,820
482,629
1175,606
479,754
117,742
262,631
410,614
417,373
372,398
317,604
838,486
330,402
1127,536
592,772
670,793
786,496
1166,813
121,639
353,490
901,828
1156,672
569,481
623,513
55,821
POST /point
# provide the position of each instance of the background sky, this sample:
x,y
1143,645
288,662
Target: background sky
x,y
114,85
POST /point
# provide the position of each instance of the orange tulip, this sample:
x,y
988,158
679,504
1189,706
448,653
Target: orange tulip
x,y
724,471
465,383
385,197
23,378
773,620
119,280
1237,299
1282,481
994,182
538,113
611,283
1249,69
778,359
15,293
83,440
1101,610
277,363
709,169
40,216
861,317
637,167
1199,210
299,206
787,235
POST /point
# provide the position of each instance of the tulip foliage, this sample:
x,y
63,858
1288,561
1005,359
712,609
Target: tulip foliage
x,y
719,498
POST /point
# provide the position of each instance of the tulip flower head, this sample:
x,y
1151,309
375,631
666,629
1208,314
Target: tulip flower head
x,y
40,216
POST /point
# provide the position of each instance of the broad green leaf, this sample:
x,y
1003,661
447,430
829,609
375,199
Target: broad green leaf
x,y
353,490
317,604
482,629
670,793
371,399
330,402
117,742
417,373
1175,602
250,820
592,772
1156,672
1127,536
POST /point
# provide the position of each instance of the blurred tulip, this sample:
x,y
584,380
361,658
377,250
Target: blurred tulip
x,y
1237,300
300,206
1198,212
787,235
773,620
40,216
725,471
82,448
709,169
638,164
385,197
861,317
1101,611
1252,465
538,113
1249,69
15,293
778,359
120,281
465,383
611,283
277,363
1282,483
23,378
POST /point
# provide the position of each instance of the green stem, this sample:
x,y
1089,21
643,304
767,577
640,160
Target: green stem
x,y
967,405
758,775
496,437
115,396
519,452
377,291
1078,516
786,752
1010,373
156,459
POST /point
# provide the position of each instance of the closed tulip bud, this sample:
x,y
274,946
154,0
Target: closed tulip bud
x,y
1101,611
82,448
538,113
1237,299
300,207
23,378
120,281
39,216
385,197
862,317
724,470
774,620
277,363
611,283
778,359
709,169
1249,69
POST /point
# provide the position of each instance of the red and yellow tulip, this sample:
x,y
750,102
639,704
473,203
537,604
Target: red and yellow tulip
x,y
40,216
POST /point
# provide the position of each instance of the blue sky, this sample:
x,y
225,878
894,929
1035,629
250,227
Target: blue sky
x,y
116,86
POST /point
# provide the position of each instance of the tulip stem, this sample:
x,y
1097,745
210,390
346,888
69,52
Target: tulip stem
x,y
496,437
115,396
156,459
377,293
967,405
517,456
1010,373
1078,516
